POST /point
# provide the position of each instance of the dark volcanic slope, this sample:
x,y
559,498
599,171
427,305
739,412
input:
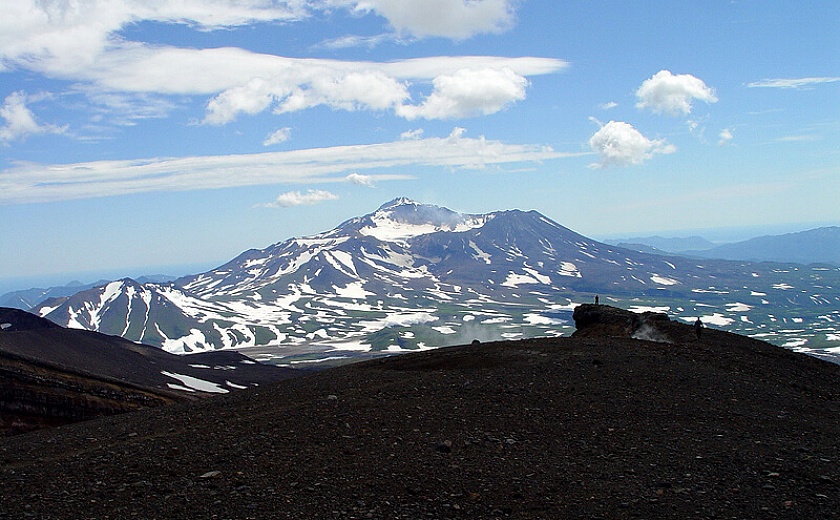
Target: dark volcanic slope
x,y
585,427
12,320
50,375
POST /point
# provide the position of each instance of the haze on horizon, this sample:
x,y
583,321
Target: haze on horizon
x,y
137,135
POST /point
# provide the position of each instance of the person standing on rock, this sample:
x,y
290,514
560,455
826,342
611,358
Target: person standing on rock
x,y
596,299
698,327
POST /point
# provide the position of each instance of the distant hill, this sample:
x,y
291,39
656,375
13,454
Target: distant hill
x,y
658,244
592,426
815,246
642,248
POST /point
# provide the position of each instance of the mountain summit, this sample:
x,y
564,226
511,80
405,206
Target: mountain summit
x,y
408,276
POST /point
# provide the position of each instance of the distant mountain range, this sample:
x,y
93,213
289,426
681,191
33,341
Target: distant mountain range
x,y
413,276
658,244
28,298
814,246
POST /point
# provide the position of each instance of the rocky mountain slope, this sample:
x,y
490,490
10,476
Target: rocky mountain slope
x,y
411,276
594,426
51,375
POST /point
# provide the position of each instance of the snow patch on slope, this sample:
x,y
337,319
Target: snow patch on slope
x,y
191,384
387,229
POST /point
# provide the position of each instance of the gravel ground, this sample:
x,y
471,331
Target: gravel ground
x,y
586,427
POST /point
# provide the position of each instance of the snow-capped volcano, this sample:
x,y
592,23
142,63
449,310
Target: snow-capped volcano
x,y
403,219
408,275
420,249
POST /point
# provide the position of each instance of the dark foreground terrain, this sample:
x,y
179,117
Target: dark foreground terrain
x,y
593,426
50,375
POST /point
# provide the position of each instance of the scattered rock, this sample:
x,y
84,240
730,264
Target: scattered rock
x,y
444,447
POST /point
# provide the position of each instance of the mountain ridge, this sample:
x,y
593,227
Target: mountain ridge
x,y
813,246
412,276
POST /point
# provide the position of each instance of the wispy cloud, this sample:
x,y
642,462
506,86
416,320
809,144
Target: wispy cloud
x,y
619,144
278,136
74,36
417,133
455,19
793,83
296,198
666,93
725,136
30,182
798,138
83,42
19,121
352,41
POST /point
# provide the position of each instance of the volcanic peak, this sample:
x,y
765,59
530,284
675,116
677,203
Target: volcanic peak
x,y
403,219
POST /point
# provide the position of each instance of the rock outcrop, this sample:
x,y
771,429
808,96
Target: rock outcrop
x,y
605,321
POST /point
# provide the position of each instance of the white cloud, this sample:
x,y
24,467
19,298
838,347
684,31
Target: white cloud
x,y
306,87
63,36
609,106
456,19
20,122
725,136
355,90
412,134
278,136
350,41
302,85
296,198
360,180
469,93
666,93
82,42
798,138
463,87
794,83
31,182
619,144
124,109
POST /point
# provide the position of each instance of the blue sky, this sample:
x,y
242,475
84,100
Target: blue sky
x,y
137,135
